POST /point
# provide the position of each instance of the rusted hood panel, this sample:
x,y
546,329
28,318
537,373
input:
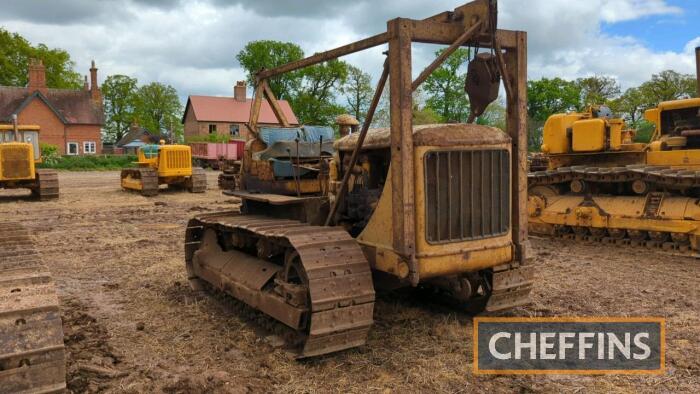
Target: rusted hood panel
x,y
430,135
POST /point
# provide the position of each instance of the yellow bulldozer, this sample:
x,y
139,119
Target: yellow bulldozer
x,y
600,186
161,164
323,223
19,155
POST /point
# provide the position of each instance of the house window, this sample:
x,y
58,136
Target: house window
x,y
212,129
72,149
234,129
89,147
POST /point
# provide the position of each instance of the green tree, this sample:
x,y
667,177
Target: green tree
x,y
494,116
358,92
546,97
267,54
445,88
315,101
598,89
630,105
159,109
668,85
15,52
120,105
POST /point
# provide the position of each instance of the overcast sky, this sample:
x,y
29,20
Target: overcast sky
x,y
192,44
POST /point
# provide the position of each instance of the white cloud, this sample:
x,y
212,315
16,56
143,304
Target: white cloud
x,y
192,44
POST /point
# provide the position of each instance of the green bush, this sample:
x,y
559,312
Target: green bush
x,y
49,153
91,163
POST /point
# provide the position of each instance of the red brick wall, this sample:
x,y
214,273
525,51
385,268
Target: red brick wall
x,y
85,133
191,126
52,129
54,132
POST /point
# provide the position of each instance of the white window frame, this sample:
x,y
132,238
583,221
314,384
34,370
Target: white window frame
x,y
77,148
87,145
213,129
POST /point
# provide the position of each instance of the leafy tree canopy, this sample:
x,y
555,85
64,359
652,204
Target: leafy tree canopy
x,y
15,52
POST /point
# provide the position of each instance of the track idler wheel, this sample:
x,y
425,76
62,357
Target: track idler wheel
x,y
561,230
580,231
658,236
598,231
637,235
617,233
640,187
578,186
680,238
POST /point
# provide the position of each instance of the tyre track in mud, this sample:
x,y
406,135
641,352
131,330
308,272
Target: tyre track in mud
x,y
118,262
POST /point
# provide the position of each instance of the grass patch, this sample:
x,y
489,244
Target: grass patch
x,y
90,163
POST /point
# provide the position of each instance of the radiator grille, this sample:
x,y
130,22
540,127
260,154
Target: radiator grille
x,y
15,162
467,195
178,159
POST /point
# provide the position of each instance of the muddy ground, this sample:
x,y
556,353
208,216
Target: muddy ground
x,y
118,262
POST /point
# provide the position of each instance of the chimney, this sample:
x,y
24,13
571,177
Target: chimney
x,y
239,91
86,85
37,76
697,66
94,90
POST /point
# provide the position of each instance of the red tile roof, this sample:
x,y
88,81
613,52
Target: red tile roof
x,y
71,106
227,109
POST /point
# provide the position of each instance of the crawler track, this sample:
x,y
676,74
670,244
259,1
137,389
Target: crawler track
x,y
197,183
47,188
633,238
148,178
32,358
652,176
314,279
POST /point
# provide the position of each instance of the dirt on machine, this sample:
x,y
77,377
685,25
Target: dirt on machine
x,y
19,157
601,186
32,356
164,165
325,221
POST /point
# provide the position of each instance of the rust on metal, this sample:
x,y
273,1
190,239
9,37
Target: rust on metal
x,y
360,141
321,57
270,95
466,36
32,356
324,289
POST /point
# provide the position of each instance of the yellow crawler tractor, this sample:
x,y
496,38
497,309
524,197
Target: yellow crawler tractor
x,y
599,186
322,223
162,164
19,155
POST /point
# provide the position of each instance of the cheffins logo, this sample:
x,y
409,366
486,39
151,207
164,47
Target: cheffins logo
x,y
604,345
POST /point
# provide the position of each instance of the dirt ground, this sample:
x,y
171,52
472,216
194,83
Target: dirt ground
x,y
118,262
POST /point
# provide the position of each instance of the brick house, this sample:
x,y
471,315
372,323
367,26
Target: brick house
x,y
206,115
71,119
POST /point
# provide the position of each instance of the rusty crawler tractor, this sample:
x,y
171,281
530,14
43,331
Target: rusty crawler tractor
x,y
32,358
602,187
321,224
164,165
19,155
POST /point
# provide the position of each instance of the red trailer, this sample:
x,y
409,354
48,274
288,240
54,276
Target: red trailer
x,y
214,155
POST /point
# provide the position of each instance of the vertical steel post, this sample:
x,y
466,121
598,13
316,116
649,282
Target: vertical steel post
x,y
697,67
402,174
516,127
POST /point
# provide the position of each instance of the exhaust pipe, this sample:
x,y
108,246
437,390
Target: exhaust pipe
x,y
15,129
